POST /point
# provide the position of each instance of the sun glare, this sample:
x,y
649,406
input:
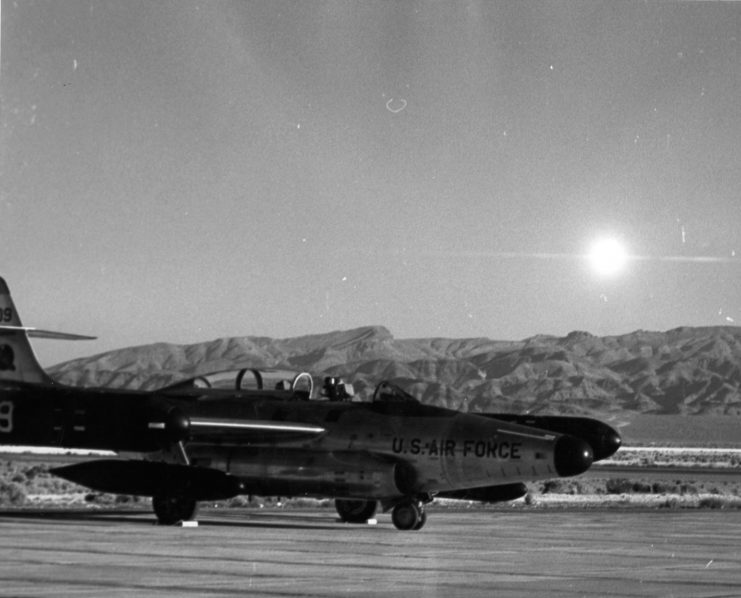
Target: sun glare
x,y
608,257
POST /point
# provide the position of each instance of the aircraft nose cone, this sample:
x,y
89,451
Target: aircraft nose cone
x,y
611,442
572,456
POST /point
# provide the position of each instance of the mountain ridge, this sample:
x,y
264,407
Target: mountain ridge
x,y
684,371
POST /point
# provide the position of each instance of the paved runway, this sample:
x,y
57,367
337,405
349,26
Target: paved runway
x,y
497,553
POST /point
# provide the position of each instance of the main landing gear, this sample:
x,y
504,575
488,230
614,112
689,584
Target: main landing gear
x,y
409,515
355,511
174,509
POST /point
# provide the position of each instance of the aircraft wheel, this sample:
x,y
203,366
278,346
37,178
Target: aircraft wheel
x,y
174,509
422,520
355,511
408,516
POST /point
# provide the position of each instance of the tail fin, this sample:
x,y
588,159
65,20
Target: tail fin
x,y
17,359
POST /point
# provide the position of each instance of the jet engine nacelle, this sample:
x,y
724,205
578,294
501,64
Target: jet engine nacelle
x,y
603,439
301,472
146,478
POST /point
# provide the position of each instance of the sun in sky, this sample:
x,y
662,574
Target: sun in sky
x,y
608,256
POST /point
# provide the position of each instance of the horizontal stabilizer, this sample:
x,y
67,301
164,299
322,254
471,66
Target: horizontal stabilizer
x,y
36,333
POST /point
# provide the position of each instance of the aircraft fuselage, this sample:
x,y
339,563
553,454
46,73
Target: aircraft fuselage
x,y
376,450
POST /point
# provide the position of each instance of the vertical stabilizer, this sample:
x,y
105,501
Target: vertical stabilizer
x,y
17,360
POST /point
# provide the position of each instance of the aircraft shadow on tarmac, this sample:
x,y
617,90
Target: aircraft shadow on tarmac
x,y
75,515
278,520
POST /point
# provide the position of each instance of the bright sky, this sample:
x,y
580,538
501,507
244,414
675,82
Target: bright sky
x,y
182,171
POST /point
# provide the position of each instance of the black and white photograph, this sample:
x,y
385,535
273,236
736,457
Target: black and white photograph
x,y
413,298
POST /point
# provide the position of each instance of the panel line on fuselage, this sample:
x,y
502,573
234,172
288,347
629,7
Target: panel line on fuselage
x,y
256,425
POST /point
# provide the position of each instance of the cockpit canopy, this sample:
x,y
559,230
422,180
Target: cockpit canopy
x,y
390,393
251,379
300,385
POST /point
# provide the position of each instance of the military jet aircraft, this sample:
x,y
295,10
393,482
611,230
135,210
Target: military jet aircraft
x,y
271,433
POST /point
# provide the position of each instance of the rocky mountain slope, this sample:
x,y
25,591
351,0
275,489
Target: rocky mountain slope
x,y
682,371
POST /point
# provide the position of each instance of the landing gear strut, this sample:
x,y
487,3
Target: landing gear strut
x,y
174,509
355,511
409,515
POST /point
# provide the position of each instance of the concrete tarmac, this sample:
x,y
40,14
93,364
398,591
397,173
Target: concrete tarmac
x,y
500,553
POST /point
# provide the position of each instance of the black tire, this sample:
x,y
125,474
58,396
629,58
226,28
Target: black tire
x,y
422,519
355,511
407,516
174,509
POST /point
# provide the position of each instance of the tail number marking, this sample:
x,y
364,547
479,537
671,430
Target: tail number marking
x,y
6,315
6,416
